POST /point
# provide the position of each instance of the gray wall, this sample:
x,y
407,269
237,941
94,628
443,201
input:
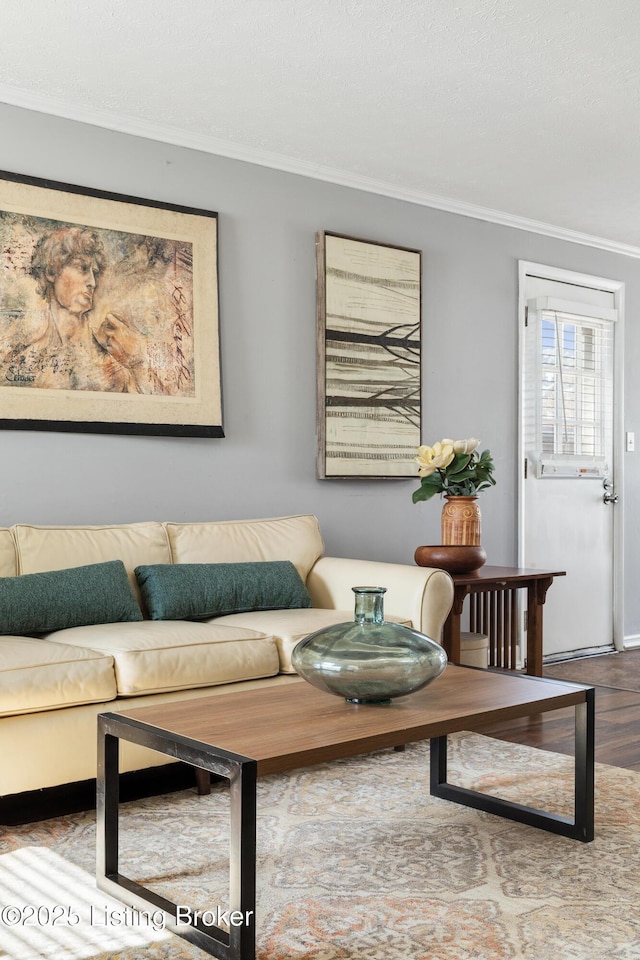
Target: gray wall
x,y
265,466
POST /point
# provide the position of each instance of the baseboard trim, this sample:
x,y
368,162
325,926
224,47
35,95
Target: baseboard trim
x,y
631,643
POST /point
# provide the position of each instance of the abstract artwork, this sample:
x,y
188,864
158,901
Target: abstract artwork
x,y
108,312
369,315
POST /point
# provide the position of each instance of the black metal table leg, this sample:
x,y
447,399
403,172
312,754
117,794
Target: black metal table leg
x,y
236,943
585,724
581,827
108,798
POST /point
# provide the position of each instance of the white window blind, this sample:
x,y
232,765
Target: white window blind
x,y
569,387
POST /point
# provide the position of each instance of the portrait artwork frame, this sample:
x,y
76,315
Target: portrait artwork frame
x,y
369,325
109,312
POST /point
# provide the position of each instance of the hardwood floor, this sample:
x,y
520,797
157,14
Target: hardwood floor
x,y
620,670
616,677
617,729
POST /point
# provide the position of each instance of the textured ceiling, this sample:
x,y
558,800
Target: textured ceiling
x,y
522,109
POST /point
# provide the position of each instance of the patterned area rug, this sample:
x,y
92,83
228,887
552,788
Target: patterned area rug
x,y
356,862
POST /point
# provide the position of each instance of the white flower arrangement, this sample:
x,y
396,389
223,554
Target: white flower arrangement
x,y
453,468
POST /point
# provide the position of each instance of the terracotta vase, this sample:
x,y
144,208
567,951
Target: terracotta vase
x,y
461,521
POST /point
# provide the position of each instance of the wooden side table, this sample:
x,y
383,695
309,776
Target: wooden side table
x,y
493,611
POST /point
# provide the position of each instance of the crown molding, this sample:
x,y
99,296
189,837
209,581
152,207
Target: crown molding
x,y
120,123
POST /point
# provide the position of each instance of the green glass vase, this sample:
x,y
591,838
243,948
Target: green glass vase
x,y
369,659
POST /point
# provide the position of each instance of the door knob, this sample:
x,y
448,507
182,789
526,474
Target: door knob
x,y
610,498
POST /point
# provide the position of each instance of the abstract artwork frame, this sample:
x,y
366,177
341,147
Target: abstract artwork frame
x,y
369,312
109,319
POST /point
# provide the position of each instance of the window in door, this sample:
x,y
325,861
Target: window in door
x,y
568,406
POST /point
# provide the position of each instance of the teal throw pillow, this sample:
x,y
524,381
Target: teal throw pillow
x,y
74,597
198,591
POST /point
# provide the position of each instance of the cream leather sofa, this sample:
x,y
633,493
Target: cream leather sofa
x,y
53,685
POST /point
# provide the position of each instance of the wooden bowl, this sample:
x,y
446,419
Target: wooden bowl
x,y
462,559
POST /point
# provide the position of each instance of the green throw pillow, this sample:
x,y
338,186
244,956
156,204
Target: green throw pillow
x,y
75,597
198,591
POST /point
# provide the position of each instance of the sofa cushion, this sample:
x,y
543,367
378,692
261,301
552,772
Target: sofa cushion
x,y
37,675
198,591
296,539
289,627
155,656
40,602
54,548
8,559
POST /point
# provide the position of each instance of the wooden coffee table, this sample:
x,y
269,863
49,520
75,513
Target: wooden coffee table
x,y
240,735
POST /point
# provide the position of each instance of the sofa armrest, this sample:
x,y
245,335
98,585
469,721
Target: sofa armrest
x,y
423,595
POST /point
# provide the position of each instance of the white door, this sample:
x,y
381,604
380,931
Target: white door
x,y
570,414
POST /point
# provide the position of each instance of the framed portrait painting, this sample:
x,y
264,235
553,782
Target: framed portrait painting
x,y
108,312
369,331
